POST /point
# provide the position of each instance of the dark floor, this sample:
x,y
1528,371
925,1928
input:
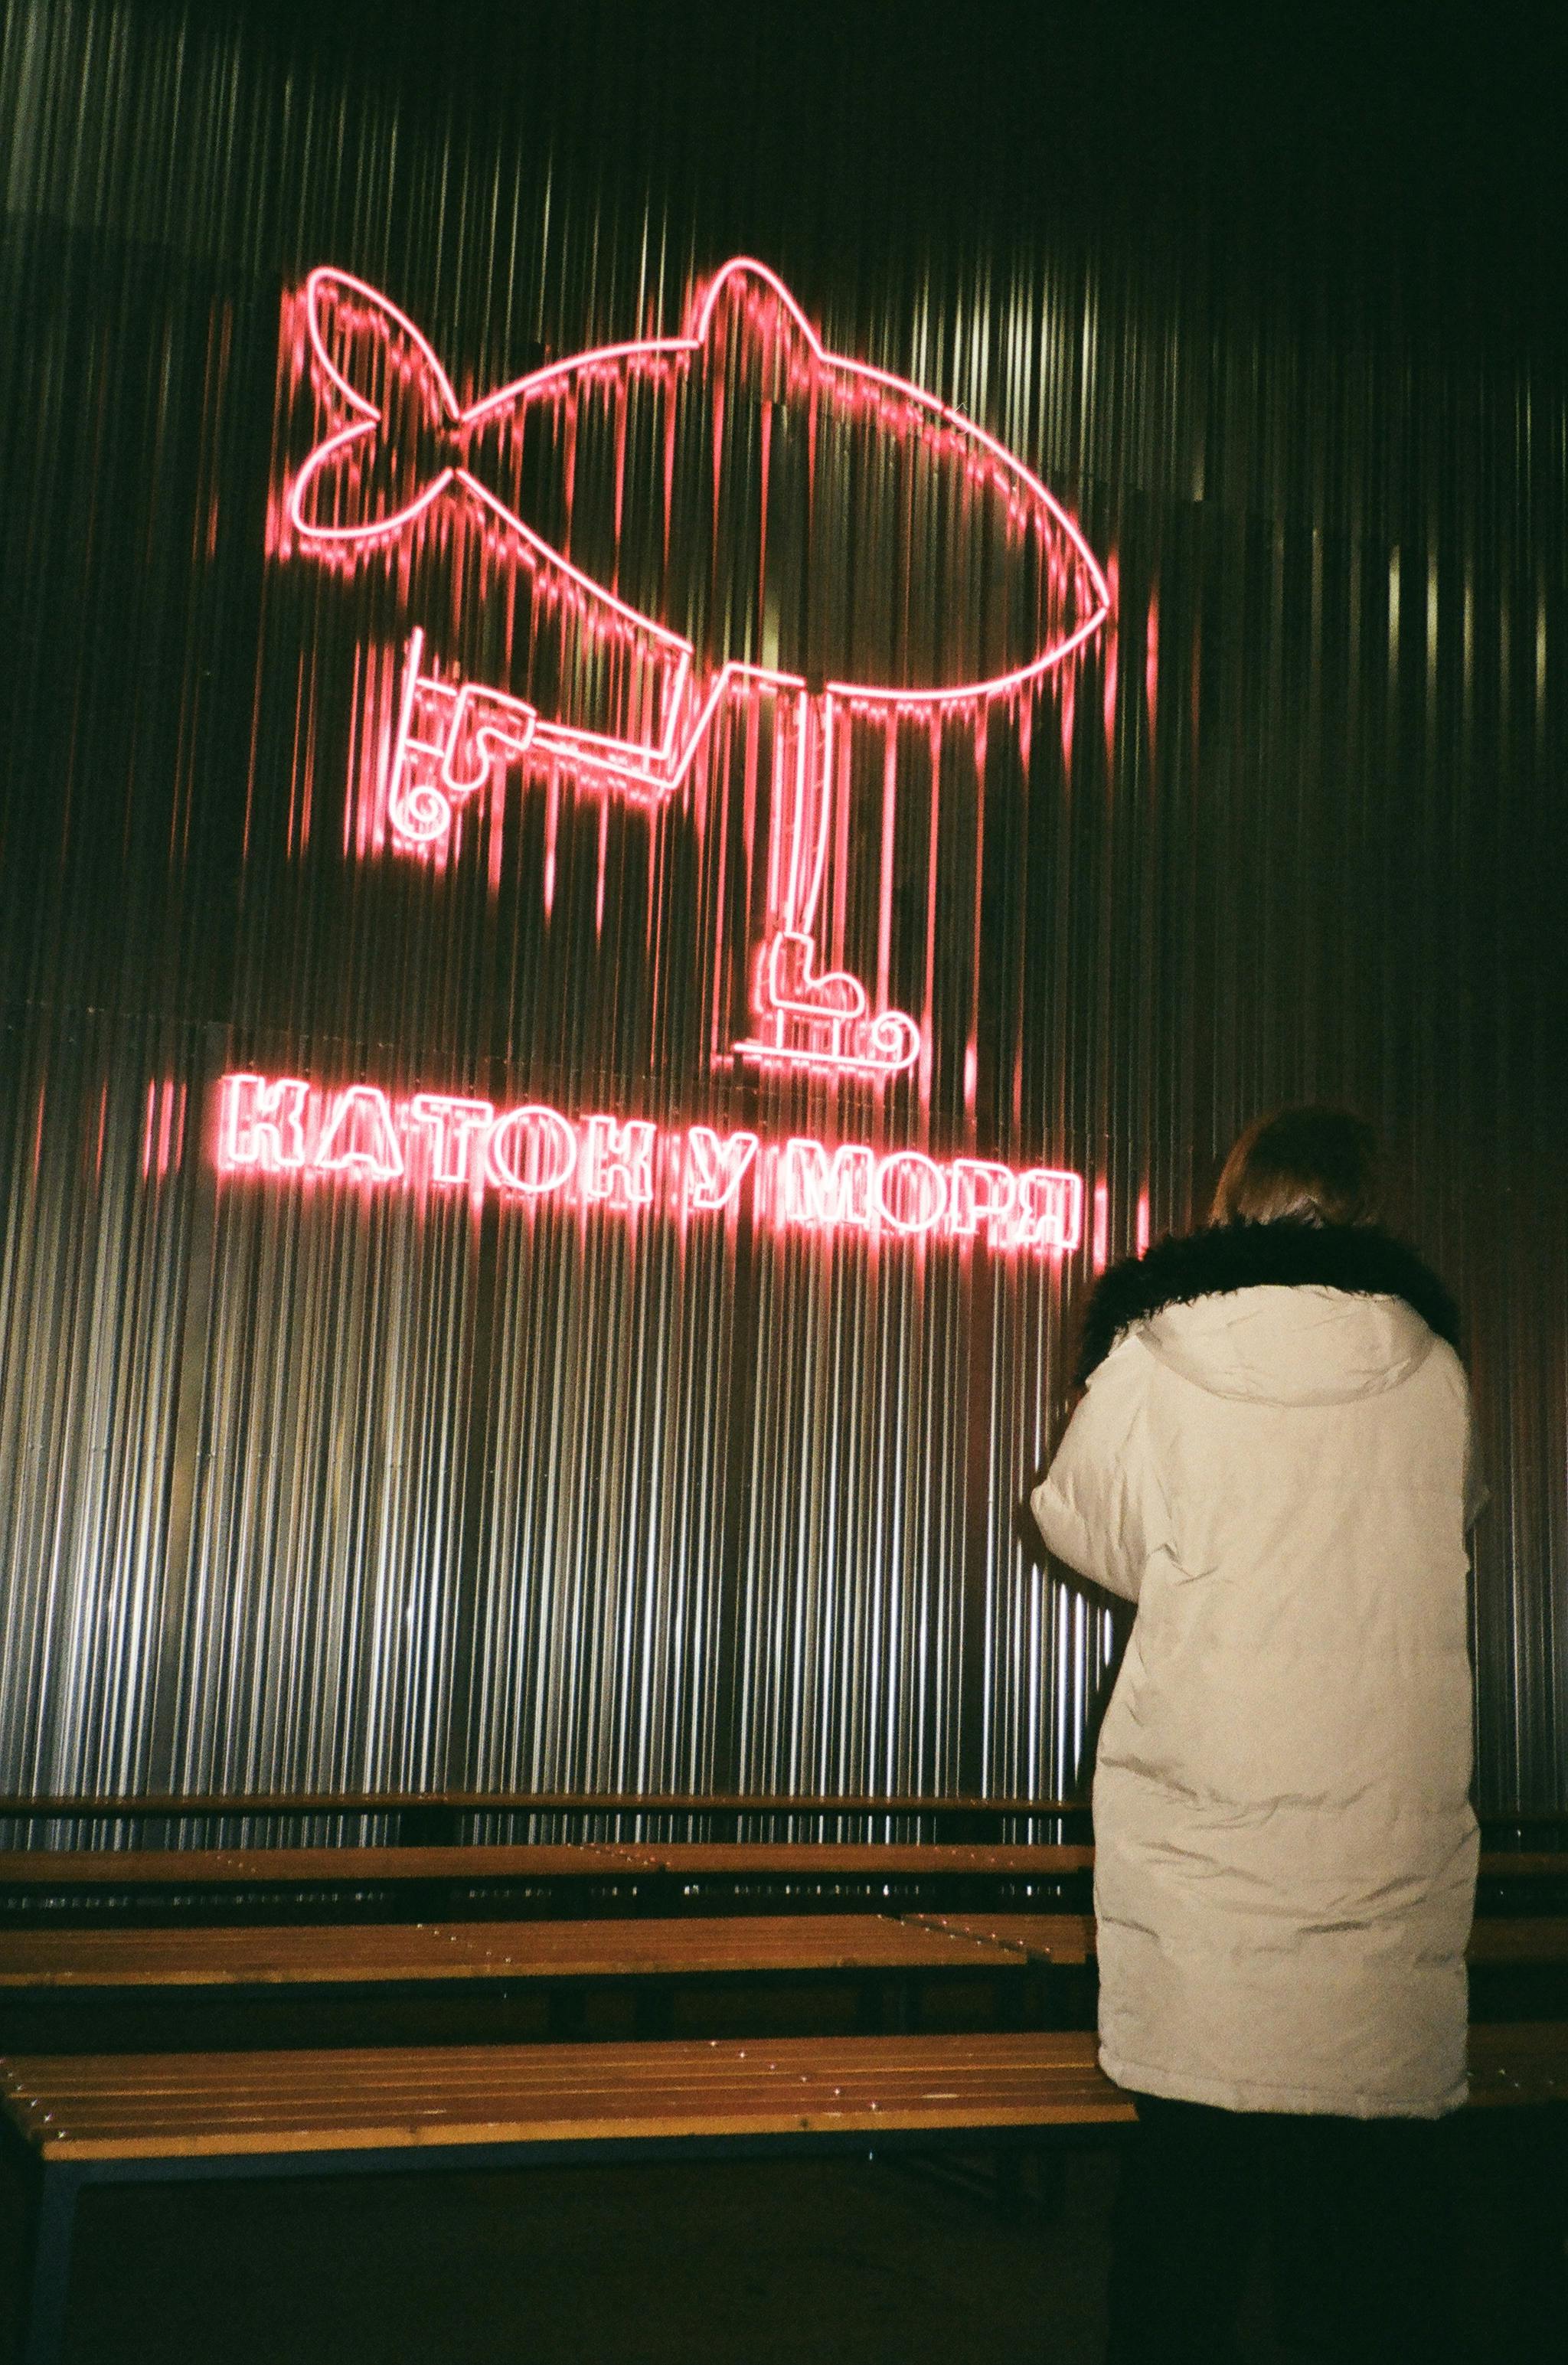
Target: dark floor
x,y
742,2263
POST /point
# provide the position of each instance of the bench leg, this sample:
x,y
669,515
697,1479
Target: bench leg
x,y
53,2218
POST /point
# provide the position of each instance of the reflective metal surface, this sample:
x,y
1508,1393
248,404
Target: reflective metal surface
x,y
312,1488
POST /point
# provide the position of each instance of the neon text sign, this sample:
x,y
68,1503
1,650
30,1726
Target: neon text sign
x,y
623,700
284,1127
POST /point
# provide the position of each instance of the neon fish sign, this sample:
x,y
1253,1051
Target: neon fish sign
x,y
285,1127
620,695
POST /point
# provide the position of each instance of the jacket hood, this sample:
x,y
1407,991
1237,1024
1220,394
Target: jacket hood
x,y
1297,1346
1286,1312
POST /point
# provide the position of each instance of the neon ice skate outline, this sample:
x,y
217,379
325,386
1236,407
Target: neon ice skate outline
x,y
803,1018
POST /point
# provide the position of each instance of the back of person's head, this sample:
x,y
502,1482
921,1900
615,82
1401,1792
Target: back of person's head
x,y
1306,1165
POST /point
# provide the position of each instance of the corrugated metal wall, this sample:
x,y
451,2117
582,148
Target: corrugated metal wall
x,y
327,1487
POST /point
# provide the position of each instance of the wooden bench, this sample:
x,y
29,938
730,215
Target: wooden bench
x,y
138,1989
152,2117
876,1859
111,1990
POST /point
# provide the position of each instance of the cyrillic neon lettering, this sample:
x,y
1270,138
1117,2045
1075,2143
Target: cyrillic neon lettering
x,y
714,1167
981,1192
264,1128
359,1136
452,1126
618,1161
825,1188
1050,1209
532,1150
911,1191
261,1123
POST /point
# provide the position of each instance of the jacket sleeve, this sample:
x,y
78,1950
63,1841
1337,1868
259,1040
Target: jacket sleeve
x,y
1099,1505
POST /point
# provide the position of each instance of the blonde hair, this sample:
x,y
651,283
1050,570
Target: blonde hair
x,y
1312,1165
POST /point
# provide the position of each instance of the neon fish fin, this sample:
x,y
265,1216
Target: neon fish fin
x,y
391,414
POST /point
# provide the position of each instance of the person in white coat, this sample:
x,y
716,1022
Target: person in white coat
x,y
1271,1458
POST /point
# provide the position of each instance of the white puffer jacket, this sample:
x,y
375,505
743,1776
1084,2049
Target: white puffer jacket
x,y
1277,1473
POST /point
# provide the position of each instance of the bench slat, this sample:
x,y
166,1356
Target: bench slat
x,y
1061,1938
321,1955
183,1867
1526,1938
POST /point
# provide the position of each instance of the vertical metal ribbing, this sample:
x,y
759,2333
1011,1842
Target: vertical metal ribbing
x,y
317,1488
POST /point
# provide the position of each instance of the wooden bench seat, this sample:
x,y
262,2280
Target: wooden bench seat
x,y
1525,1938
1519,1963
45,1867
310,1954
88,2119
128,1988
874,1875
131,1990
130,2107
1518,2063
227,1868
85,2120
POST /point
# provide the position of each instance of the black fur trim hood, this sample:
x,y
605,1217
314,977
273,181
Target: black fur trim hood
x,y
1351,1257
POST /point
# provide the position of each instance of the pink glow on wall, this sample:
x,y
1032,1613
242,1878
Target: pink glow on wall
x,y
284,1128
398,444
1100,1246
162,1128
